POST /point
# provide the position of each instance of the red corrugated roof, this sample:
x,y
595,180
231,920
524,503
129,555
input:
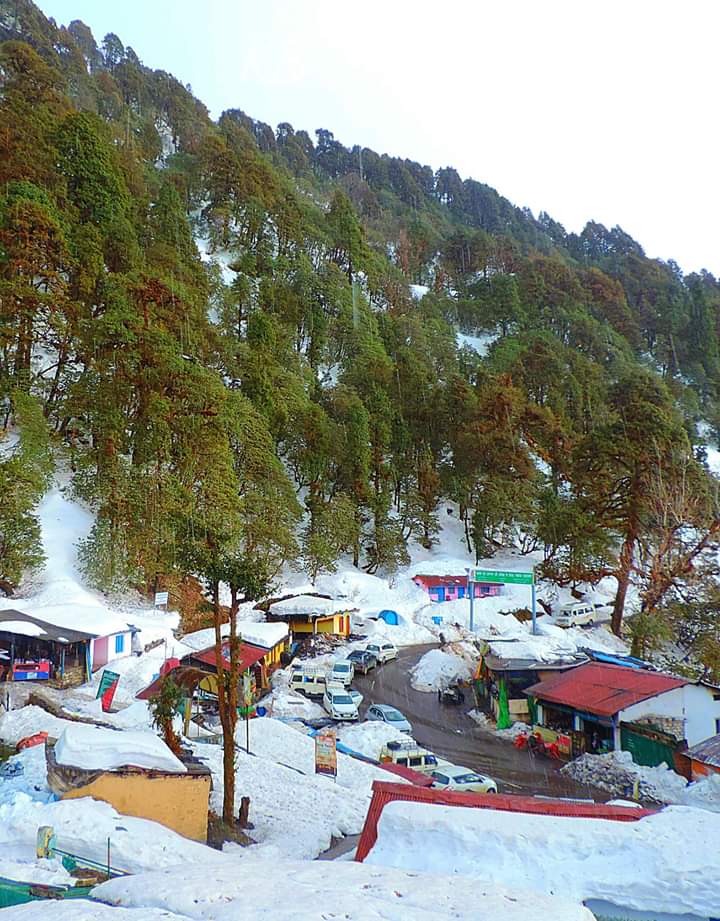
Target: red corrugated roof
x,y
249,655
603,689
384,793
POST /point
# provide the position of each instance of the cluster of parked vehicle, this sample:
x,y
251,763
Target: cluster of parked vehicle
x,y
445,776
341,701
332,685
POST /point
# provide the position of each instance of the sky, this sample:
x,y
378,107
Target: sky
x,y
602,111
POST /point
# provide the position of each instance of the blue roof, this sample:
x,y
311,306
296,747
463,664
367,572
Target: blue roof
x,y
610,659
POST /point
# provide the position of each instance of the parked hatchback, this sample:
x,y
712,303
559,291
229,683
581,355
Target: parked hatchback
x,y
462,780
339,704
362,660
386,714
383,652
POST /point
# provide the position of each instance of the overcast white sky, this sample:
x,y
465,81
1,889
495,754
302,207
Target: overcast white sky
x,y
588,110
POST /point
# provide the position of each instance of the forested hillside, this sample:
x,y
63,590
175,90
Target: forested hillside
x,y
216,322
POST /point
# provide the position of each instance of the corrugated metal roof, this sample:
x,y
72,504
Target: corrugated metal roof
x,y
384,793
603,689
249,655
707,752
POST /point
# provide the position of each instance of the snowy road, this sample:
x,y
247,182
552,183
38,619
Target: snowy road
x,y
450,733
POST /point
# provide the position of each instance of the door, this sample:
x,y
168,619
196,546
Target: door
x,y
647,747
99,653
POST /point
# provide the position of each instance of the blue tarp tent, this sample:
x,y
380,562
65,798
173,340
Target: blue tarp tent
x,y
390,617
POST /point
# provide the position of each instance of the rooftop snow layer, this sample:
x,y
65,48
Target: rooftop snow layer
x,y
663,863
258,634
305,604
92,748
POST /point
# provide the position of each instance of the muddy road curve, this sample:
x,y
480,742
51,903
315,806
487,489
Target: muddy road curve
x,y
452,735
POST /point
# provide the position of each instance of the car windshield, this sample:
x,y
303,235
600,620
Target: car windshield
x,y
342,667
342,699
468,778
394,715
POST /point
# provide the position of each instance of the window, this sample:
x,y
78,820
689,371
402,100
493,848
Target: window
x,y
119,643
415,762
717,727
440,778
402,761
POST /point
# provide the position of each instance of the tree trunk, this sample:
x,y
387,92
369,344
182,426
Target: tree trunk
x,y
227,707
623,577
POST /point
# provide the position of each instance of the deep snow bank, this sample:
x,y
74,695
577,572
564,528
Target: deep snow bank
x,y
286,890
438,669
663,863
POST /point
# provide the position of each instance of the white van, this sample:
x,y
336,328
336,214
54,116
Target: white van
x,y
575,615
308,681
408,753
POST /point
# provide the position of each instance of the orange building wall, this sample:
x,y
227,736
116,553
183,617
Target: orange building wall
x,y
177,801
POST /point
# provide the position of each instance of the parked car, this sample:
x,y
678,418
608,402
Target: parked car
x,y
451,695
408,753
308,680
362,660
389,715
339,704
383,652
342,672
462,779
575,615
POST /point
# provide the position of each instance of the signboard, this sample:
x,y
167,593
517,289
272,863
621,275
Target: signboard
x,y
161,598
247,690
107,687
326,753
505,576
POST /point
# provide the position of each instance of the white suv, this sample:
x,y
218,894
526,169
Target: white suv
x,y
339,704
383,652
342,672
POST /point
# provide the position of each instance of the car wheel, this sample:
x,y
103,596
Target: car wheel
x,y
491,791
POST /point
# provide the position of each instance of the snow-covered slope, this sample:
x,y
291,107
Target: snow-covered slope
x,y
285,890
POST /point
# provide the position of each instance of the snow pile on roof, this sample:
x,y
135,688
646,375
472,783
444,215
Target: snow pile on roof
x,y
294,810
438,669
258,633
93,748
418,291
663,863
617,772
291,890
22,628
368,738
301,605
